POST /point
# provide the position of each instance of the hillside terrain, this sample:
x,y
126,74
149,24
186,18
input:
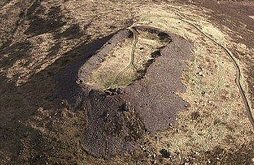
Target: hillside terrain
x,y
126,82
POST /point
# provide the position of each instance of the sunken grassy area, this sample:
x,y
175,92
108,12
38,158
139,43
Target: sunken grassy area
x,y
128,60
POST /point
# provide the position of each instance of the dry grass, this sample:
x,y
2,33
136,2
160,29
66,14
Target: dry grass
x,y
216,116
217,111
119,70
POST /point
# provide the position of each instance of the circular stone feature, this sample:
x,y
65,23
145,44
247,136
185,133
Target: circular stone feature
x,y
124,59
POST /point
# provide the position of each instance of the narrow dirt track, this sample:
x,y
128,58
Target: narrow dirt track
x,y
232,57
131,63
238,72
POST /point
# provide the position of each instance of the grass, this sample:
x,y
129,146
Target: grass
x,y
124,63
221,108
221,112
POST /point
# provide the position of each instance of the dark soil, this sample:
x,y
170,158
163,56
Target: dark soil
x,y
154,97
111,129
